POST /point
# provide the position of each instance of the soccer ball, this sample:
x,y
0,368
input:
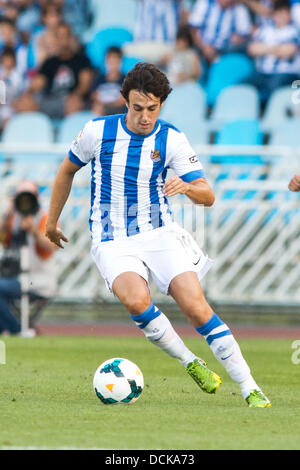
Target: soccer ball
x,y
118,380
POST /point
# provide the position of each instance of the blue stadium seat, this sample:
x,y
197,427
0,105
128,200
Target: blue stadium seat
x,y
235,102
230,69
29,128
113,13
71,125
185,108
97,47
287,133
279,106
240,132
129,62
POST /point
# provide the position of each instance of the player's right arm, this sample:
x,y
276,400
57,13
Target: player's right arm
x,y
60,193
80,154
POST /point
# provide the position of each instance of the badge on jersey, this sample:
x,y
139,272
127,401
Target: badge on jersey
x,y
155,156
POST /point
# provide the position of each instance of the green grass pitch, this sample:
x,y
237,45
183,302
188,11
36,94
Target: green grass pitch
x,y
47,399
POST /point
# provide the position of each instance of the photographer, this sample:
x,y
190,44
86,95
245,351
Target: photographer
x,y
24,224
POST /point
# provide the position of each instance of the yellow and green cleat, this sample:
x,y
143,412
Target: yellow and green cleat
x,y
257,399
207,380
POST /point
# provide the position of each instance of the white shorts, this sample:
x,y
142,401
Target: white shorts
x,y
164,252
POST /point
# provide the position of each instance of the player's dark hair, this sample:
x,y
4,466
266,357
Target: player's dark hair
x,y
146,78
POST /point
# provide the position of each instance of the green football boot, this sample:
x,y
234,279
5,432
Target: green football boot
x,y
257,399
207,380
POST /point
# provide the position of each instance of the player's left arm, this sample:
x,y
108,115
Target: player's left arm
x,y
190,178
197,190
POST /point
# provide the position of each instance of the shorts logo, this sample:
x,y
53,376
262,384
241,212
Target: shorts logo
x,y
193,159
155,156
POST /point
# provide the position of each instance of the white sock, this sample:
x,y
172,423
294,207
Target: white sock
x,y
227,351
158,329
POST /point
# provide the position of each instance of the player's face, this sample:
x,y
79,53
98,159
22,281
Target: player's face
x,y
143,112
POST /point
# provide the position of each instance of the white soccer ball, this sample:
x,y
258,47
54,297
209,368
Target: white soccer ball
x,y
118,380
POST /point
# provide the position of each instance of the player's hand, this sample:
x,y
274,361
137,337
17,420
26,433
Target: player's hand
x,y
55,235
175,185
294,184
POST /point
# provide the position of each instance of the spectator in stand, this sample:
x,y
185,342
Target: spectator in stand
x,y
46,41
29,17
183,63
219,26
63,83
8,32
9,37
10,11
106,98
263,10
78,14
13,81
275,48
158,20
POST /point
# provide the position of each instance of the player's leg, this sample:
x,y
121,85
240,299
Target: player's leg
x,y
187,292
132,290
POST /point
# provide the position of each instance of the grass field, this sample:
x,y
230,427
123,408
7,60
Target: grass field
x,y
47,399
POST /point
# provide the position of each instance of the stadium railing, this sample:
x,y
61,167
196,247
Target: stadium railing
x,y
251,231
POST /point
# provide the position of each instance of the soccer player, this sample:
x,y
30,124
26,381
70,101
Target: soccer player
x,y
132,229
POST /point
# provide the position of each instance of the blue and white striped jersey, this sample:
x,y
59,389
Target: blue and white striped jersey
x,y
273,36
128,172
268,20
157,20
216,25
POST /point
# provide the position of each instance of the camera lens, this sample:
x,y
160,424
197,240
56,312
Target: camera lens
x,y
26,203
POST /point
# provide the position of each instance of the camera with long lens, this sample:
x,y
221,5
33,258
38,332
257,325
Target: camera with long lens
x,y
25,204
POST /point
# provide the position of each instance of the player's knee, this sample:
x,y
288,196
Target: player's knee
x,y
137,304
198,313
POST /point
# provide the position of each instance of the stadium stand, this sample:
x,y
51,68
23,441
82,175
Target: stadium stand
x,y
220,110
71,125
230,69
287,133
279,108
192,122
28,127
104,39
112,14
234,102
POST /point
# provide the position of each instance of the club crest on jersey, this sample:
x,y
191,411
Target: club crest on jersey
x,y
155,155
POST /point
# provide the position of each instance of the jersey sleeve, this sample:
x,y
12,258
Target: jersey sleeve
x,y
81,151
182,158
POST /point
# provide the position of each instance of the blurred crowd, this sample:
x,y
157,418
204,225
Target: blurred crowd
x,y
45,65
